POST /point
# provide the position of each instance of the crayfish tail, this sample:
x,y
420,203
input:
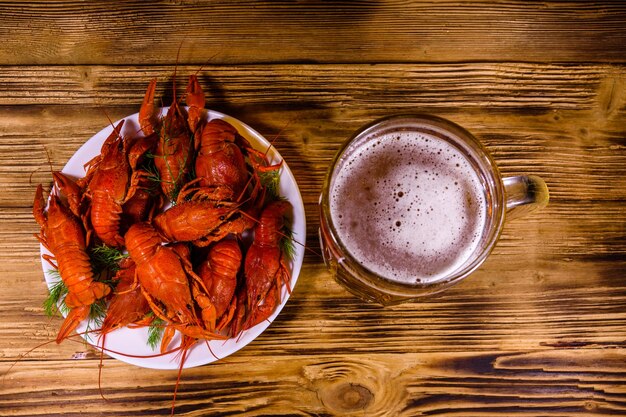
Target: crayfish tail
x,y
99,289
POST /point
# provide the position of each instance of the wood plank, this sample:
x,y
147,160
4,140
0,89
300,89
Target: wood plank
x,y
564,123
517,300
135,32
540,86
573,382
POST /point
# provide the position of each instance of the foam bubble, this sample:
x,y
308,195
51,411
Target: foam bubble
x,y
410,209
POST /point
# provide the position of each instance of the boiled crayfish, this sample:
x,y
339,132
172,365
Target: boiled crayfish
x,y
209,266
185,265
266,268
63,234
173,156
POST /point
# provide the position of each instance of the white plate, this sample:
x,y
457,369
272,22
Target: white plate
x,y
134,341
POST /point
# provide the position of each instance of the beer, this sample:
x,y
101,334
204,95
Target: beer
x,y
408,206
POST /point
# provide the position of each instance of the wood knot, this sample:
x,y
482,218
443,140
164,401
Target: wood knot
x,y
611,94
347,397
590,406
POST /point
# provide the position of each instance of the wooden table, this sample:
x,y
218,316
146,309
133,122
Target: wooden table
x,y
539,330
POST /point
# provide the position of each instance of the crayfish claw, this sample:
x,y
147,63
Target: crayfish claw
x,y
147,111
72,321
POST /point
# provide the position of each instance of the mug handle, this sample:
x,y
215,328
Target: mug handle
x,y
524,194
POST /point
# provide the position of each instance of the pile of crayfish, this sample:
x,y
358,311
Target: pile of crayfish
x,y
176,199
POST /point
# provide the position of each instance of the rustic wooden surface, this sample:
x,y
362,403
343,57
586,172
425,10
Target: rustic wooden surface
x,y
539,330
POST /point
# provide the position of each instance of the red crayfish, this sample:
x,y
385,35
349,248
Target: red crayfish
x,y
210,266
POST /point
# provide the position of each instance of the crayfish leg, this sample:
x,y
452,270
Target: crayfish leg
x,y
228,316
49,259
208,311
262,312
285,276
168,335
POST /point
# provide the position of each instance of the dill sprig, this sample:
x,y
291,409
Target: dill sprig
x,y
287,244
178,181
153,175
97,313
191,174
155,332
270,180
104,257
173,196
54,303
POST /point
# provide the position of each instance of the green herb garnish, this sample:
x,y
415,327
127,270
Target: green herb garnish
x,y
286,244
155,176
104,257
97,313
270,180
152,174
155,332
54,303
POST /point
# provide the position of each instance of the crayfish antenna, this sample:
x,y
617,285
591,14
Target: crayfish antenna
x,y
116,129
208,345
314,252
276,136
25,354
34,348
207,61
30,177
39,204
243,213
175,100
100,366
130,355
185,345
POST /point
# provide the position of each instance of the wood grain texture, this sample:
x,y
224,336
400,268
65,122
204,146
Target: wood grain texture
x,y
555,382
562,122
538,330
232,32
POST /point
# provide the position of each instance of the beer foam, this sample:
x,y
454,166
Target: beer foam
x,y
408,206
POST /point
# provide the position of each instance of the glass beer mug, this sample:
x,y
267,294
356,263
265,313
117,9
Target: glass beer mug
x,y
413,204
